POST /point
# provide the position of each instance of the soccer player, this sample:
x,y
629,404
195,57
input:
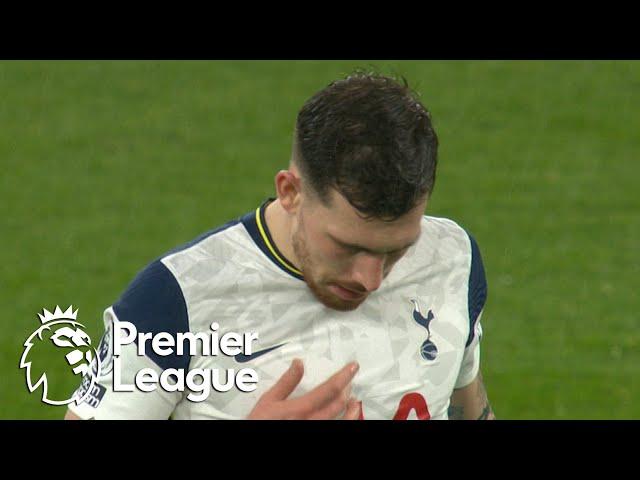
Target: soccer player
x,y
365,308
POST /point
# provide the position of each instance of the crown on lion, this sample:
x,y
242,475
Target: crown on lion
x,y
57,314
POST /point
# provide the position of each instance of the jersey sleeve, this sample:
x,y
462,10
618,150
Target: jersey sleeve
x,y
153,303
477,297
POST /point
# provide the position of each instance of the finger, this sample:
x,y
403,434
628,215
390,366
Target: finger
x,y
286,383
327,391
353,410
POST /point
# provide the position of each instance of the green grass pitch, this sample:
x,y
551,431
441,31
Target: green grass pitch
x,y
106,165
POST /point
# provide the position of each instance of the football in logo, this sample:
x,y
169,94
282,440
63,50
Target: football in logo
x,y
428,350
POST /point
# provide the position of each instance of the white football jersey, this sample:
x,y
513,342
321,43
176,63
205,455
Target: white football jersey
x,y
416,338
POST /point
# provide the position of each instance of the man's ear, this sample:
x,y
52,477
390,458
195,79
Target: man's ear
x,y
288,189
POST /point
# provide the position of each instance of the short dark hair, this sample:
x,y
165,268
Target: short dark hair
x,y
369,137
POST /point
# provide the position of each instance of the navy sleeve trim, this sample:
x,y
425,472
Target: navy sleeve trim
x,y
477,288
154,303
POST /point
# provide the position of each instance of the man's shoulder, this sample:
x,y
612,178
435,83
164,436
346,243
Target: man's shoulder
x,y
161,288
443,223
456,250
441,232
217,244
445,249
219,232
450,233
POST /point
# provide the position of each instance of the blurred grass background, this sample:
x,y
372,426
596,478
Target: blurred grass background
x,y
106,165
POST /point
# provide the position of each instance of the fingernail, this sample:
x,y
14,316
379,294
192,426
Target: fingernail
x,y
354,367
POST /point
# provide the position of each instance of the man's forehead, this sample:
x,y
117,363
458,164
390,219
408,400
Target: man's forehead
x,y
345,224
338,206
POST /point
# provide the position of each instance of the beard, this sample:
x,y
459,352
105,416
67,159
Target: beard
x,y
315,282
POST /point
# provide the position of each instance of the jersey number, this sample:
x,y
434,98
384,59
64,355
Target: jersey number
x,y
411,401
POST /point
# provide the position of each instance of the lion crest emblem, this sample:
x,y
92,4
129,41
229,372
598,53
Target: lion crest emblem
x,y
61,331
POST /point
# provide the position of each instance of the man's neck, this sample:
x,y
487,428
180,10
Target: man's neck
x,y
279,225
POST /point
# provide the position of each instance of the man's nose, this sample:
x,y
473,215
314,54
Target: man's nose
x,y
369,271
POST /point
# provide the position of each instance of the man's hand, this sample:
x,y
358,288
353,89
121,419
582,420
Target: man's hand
x,y
71,416
471,402
326,401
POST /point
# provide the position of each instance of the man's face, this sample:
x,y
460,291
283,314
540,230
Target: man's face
x,y
345,257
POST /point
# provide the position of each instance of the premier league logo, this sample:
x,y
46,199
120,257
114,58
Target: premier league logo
x,y
61,331
428,349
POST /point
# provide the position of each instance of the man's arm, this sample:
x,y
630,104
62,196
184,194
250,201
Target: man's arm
x,y
471,402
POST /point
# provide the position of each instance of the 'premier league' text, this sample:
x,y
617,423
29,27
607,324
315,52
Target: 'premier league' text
x,y
198,381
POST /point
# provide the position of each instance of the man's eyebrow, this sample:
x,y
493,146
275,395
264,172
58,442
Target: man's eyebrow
x,y
354,246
